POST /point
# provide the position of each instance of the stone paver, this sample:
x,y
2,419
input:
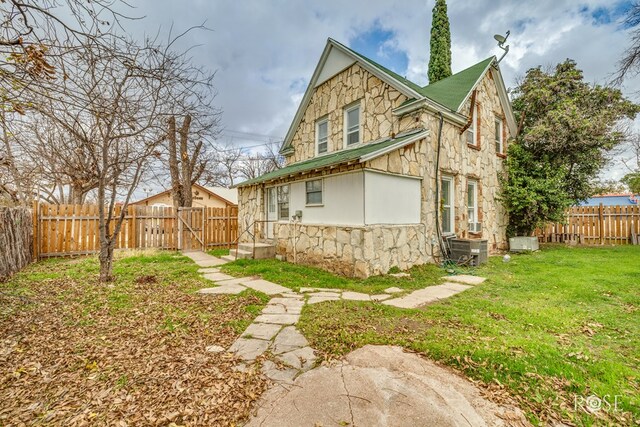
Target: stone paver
x,y
278,375
356,296
427,295
302,358
231,289
465,279
306,290
393,290
456,286
209,270
290,337
248,348
203,259
381,386
234,281
263,331
315,300
266,287
217,277
278,319
325,294
214,349
380,297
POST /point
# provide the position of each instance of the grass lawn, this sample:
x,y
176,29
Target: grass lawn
x,y
296,276
220,252
543,331
75,352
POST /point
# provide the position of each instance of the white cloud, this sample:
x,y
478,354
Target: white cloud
x,y
265,51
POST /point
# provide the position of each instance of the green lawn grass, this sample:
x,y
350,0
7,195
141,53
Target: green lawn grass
x,y
548,328
296,276
219,252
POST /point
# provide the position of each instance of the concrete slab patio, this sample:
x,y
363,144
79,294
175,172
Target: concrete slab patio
x,y
381,386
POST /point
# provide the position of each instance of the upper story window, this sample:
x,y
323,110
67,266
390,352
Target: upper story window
x,y
314,192
322,136
472,131
499,135
352,125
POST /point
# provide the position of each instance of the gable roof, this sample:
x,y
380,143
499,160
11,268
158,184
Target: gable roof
x,y
448,94
359,154
454,90
224,194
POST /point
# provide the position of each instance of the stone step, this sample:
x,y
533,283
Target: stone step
x,y
229,258
240,254
261,250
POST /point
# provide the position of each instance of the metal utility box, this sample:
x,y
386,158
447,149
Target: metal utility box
x,y
474,250
523,244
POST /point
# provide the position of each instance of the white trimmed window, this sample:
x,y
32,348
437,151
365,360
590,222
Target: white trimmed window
x,y
472,205
283,201
473,128
499,137
447,204
314,192
322,136
352,125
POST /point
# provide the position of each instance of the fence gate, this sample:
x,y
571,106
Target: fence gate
x,y
191,229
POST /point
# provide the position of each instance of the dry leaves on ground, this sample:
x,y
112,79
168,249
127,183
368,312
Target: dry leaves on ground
x,y
84,354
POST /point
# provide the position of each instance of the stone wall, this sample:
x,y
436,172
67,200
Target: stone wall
x,y
353,251
250,209
329,100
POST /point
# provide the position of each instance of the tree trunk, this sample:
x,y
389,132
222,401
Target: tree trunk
x,y
106,261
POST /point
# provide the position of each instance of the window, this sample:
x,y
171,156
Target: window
x,y
352,125
499,140
283,202
314,192
472,130
448,214
271,200
472,205
322,136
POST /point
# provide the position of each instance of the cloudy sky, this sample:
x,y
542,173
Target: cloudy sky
x,y
264,51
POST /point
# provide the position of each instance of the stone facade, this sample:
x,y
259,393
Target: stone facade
x,y
373,249
329,100
353,251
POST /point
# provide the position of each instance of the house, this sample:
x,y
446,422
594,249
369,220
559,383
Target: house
x,y
612,199
364,189
210,197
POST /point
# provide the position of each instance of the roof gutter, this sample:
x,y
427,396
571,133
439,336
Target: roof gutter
x,y
395,146
428,104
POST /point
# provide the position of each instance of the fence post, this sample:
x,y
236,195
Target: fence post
x,y
228,226
36,231
179,228
601,220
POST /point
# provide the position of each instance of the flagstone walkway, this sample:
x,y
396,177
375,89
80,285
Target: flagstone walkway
x,y
274,330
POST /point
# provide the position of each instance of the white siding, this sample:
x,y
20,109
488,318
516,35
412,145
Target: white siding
x,y
343,200
391,199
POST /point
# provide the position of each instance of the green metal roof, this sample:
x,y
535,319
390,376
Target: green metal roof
x,y
453,90
336,158
449,92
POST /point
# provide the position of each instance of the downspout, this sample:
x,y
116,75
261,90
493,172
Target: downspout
x,y
437,201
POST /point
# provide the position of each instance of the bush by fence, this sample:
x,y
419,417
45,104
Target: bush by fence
x,y
16,240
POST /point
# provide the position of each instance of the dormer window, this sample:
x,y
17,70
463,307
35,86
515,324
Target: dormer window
x,y
322,136
352,125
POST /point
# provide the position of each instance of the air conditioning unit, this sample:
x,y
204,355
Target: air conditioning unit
x,y
469,251
475,227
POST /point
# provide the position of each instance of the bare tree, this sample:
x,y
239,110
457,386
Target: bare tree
x,y
630,62
255,165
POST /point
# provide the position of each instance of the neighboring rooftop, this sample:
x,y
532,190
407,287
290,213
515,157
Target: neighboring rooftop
x,y
612,199
229,194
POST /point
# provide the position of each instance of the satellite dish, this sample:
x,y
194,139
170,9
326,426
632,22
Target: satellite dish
x,y
499,38
501,41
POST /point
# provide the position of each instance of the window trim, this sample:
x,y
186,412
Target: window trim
x,y
318,123
306,193
345,126
452,204
280,218
500,141
474,183
474,128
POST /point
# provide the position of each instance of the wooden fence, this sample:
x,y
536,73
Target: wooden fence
x,y
610,225
61,230
16,229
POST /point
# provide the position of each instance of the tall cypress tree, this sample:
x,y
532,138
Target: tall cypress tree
x,y
440,55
